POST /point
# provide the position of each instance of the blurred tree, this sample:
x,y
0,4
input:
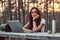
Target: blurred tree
x,y
21,12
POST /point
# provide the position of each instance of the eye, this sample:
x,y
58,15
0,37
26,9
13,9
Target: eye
x,y
34,12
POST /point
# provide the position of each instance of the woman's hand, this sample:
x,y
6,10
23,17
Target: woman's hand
x,y
36,17
27,30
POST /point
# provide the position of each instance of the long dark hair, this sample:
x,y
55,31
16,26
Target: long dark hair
x,y
30,19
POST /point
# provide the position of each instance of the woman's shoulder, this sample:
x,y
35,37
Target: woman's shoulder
x,y
42,19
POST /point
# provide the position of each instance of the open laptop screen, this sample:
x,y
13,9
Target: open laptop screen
x,y
15,26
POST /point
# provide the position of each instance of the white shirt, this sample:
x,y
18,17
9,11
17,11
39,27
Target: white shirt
x,y
42,22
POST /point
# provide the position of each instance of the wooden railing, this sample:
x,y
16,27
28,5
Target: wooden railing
x,y
29,36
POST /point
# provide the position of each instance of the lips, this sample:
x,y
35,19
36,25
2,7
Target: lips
x,y
33,15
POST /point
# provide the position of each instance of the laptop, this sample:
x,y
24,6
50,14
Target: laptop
x,y
15,26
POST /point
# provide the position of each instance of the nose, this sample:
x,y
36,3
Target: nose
x,y
33,14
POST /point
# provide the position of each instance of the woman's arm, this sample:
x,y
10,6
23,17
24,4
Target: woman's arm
x,y
26,28
37,28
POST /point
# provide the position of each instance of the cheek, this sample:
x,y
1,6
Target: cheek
x,y
33,15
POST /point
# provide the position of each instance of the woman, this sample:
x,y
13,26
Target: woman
x,y
35,21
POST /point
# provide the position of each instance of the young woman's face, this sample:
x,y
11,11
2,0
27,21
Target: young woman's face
x,y
34,13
